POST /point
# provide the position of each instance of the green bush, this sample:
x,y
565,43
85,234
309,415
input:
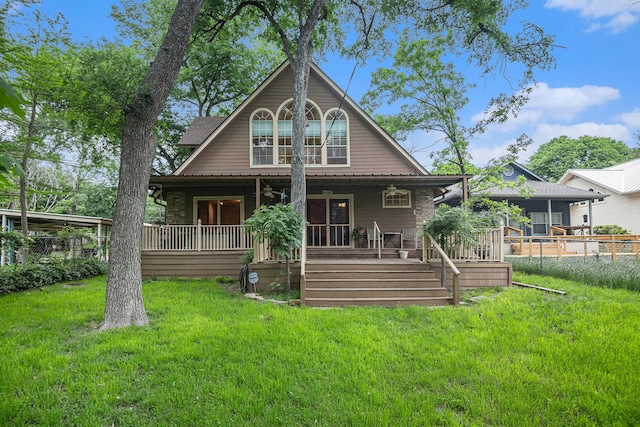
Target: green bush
x,y
20,277
609,229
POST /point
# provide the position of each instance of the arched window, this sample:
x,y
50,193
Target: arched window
x,y
313,134
337,138
262,137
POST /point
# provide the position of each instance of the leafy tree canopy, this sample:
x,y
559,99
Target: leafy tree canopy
x,y
555,157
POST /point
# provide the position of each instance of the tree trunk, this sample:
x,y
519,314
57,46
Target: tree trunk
x,y
300,66
124,304
23,253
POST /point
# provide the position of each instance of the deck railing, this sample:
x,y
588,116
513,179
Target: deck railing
x,y
449,263
262,252
486,245
195,237
576,245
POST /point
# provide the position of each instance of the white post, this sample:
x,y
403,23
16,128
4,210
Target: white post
x,y
199,235
4,229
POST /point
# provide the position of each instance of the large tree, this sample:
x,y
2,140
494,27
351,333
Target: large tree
x,y
555,157
124,303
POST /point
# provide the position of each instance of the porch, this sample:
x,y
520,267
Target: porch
x,y
330,276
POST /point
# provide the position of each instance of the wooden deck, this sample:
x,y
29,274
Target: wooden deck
x,y
370,281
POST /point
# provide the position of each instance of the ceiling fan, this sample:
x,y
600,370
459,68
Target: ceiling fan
x,y
269,192
392,190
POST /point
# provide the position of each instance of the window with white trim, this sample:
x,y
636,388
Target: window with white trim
x,y
262,137
312,134
326,138
337,144
396,199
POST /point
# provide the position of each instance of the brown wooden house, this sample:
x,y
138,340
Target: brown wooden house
x,y
357,176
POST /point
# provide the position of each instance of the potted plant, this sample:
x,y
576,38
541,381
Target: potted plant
x,y
357,232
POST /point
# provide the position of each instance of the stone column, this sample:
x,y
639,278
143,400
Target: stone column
x,y
175,213
425,209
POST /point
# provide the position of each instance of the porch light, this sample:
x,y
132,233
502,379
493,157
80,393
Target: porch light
x,y
391,190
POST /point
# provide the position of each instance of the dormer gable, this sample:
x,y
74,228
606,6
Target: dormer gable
x,y
340,137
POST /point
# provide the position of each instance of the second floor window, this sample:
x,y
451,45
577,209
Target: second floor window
x,y
326,141
262,137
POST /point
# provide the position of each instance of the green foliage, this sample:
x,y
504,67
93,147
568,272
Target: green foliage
x,y
247,257
10,98
520,357
14,240
609,229
17,277
560,154
358,231
281,225
450,227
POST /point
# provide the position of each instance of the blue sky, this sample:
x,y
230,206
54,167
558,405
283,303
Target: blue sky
x,y
593,90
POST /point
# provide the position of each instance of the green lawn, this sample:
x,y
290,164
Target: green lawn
x,y
521,357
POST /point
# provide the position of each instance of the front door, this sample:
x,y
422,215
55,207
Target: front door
x,y
329,221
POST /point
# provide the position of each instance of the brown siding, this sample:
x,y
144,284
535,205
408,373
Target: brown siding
x,y
191,263
478,274
229,153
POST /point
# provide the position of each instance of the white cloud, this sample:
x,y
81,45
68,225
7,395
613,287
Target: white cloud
x,y
546,132
631,119
557,104
617,15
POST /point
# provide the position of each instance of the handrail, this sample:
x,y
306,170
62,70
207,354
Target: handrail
x,y
553,230
377,238
303,268
507,234
508,229
454,269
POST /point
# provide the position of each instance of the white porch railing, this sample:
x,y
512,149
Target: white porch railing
x,y
195,237
263,253
486,245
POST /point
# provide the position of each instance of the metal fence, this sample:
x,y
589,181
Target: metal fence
x,y
68,247
609,255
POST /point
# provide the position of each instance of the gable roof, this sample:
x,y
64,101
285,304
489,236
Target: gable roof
x,y
208,140
529,174
623,178
199,130
539,188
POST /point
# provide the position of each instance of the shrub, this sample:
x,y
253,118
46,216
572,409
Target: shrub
x,y
609,229
20,277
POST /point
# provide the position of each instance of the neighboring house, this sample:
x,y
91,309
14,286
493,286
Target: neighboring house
x,y
356,174
546,204
621,182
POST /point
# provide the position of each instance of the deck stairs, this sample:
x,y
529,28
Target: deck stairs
x,y
360,278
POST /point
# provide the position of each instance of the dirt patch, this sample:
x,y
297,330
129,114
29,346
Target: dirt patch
x,y
74,285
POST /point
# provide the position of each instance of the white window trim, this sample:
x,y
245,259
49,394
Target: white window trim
x,y
196,199
274,136
384,200
276,145
326,134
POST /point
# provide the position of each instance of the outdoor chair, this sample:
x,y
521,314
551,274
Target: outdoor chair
x,y
408,234
370,237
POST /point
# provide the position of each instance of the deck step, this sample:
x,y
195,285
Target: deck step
x,y
384,282
382,302
369,293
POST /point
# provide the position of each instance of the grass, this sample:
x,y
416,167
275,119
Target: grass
x,y
210,357
595,271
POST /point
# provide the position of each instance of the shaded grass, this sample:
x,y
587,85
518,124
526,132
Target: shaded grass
x,y
522,357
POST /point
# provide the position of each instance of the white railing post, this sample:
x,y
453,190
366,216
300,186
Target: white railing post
x,y
199,235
